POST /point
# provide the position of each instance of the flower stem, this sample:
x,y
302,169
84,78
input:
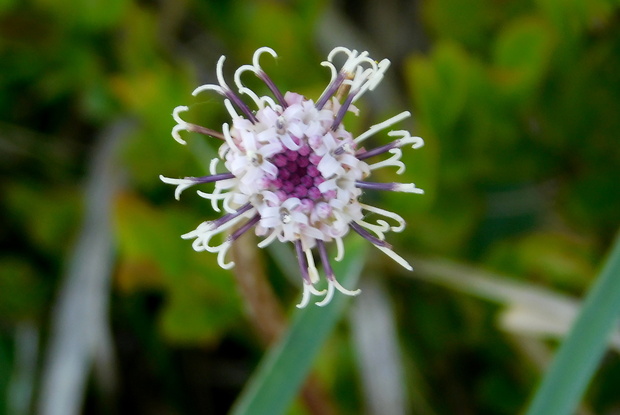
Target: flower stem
x,y
267,316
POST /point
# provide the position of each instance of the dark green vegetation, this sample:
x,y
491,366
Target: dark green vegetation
x,y
517,101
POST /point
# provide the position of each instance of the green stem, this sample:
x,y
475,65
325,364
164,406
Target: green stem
x,y
580,353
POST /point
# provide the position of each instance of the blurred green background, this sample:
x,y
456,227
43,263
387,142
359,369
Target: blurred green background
x,y
518,103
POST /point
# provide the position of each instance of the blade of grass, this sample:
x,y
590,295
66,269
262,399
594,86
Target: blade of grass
x,y
578,356
277,379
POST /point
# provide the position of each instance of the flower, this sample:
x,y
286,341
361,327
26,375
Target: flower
x,y
294,172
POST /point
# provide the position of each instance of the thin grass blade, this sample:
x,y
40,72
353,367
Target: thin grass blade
x,y
577,358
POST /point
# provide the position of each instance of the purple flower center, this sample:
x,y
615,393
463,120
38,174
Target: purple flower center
x,y
298,175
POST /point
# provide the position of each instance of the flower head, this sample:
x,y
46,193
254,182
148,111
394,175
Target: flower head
x,y
294,172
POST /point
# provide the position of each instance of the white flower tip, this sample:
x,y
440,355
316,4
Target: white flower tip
x,y
399,259
177,110
419,142
259,52
343,290
176,135
328,296
416,141
408,188
314,290
305,298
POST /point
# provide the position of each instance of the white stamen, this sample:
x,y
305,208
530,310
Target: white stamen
x,y
221,256
219,71
339,249
259,52
305,299
378,229
315,291
373,80
230,109
181,124
260,103
214,197
344,290
381,126
407,188
387,214
333,72
394,160
176,135
400,260
406,138
209,87
328,296
228,137
272,237
213,165
312,271
181,184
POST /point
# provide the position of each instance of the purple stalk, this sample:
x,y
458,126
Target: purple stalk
x,y
376,151
230,216
303,264
366,235
327,267
375,186
204,130
331,90
243,229
273,88
211,179
342,111
228,93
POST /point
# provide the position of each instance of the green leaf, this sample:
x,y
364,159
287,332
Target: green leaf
x,y
522,54
440,85
580,353
285,366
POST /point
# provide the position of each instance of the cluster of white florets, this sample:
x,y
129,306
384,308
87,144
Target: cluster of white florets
x,y
294,172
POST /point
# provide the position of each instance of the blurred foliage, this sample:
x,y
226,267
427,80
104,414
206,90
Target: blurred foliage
x,y
517,102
